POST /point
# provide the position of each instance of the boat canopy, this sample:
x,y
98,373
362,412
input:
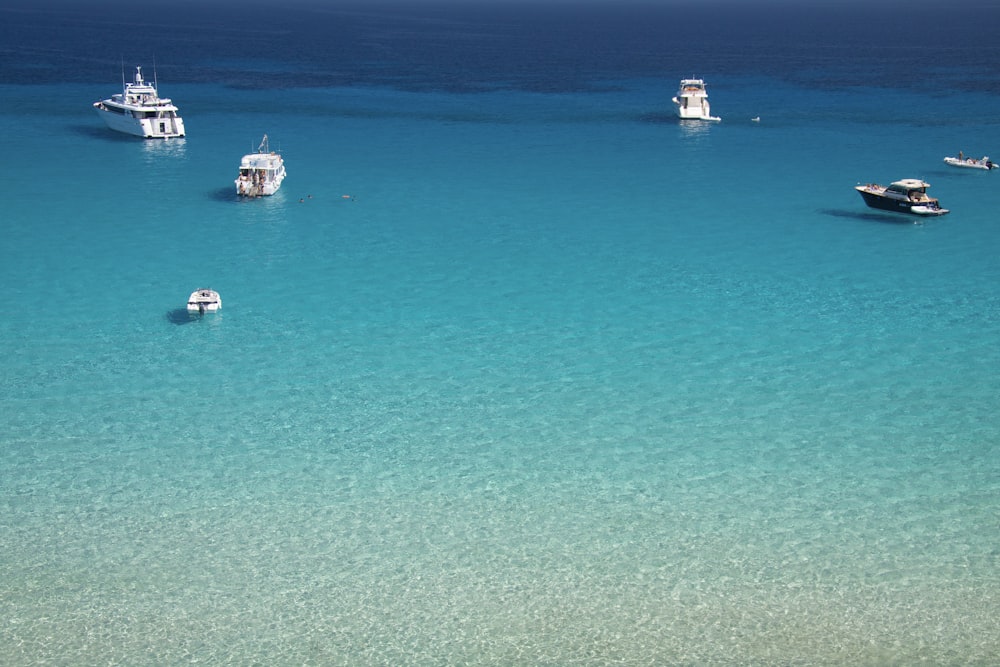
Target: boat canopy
x,y
909,184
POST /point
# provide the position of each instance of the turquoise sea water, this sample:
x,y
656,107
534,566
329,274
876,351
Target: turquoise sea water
x,y
511,377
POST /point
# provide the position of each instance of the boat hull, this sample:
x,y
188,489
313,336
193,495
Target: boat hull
x,y
694,110
986,165
204,301
147,128
894,205
246,187
204,308
691,101
261,174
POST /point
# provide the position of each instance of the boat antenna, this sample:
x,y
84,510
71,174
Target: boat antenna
x,y
154,72
123,72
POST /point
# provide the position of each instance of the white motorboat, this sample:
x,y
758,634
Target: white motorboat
x,y
204,301
261,173
139,110
984,162
906,196
692,101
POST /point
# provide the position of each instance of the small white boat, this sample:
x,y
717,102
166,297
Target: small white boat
x,y
692,101
984,163
927,210
261,173
139,110
204,301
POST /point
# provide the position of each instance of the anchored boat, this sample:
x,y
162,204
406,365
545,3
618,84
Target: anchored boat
x,y
906,196
984,163
261,173
692,101
204,300
139,110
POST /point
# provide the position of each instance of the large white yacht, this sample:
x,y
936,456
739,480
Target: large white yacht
x,y
692,101
261,173
139,110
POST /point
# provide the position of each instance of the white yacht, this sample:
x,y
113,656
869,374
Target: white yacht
x,y
261,173
692,101
139,110
204,300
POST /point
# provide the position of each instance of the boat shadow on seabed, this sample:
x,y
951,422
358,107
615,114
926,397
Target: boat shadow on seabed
x,y
227,194
884,218
181,316
101,133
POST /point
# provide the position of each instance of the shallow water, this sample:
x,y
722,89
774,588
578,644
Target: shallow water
x,y
511,377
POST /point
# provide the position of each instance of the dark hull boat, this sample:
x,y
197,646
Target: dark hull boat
x,y
905,196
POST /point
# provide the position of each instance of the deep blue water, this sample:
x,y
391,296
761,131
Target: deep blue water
x,y
516,368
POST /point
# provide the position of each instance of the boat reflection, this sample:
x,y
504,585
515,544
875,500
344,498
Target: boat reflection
x,y
694,128
169,147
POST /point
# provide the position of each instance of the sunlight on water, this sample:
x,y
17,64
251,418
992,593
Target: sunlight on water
x,y
503,377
